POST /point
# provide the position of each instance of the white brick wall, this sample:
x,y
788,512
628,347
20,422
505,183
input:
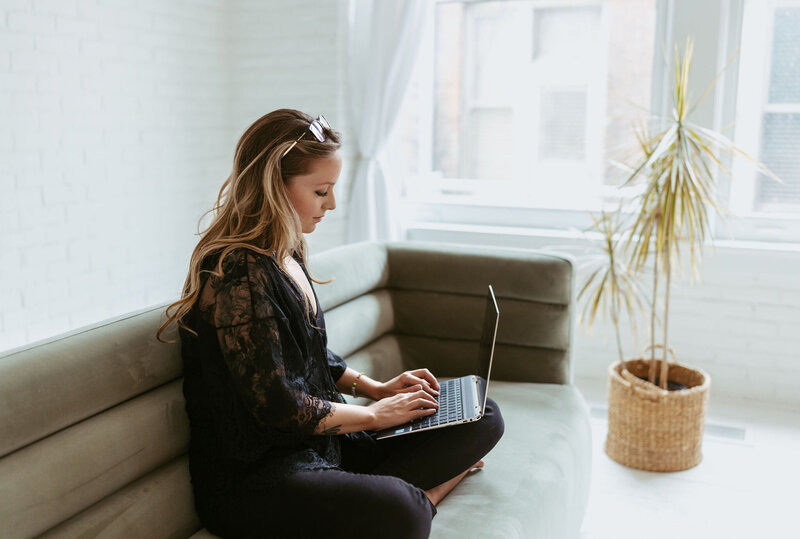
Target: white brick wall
x,y
740,322
292,54
114,138
118,122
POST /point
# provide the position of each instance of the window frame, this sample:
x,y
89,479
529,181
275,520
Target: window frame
x,y
751,104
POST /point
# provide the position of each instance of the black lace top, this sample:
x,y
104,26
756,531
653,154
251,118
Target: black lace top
x,y
257,380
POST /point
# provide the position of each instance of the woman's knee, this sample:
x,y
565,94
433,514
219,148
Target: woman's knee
x,y
491,426
401,510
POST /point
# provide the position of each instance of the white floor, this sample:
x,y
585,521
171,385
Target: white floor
x,y
748,484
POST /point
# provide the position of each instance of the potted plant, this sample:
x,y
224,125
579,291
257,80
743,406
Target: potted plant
x,y
657,410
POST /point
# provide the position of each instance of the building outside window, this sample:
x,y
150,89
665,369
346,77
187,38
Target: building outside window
x,y
524,99
524,103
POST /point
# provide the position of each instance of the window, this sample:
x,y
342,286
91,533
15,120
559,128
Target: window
x,y
767,124
768,111
518,106
519,102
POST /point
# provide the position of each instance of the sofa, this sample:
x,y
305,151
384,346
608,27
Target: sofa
x,y
94,433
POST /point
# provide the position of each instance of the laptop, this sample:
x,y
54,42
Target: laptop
x,y
461,400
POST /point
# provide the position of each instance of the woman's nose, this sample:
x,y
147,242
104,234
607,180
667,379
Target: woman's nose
x,y
330,202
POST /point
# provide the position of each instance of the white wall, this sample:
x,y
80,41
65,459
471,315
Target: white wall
x,y
292,54
118,122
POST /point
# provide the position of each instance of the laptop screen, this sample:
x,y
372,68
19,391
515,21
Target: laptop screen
x,y
486,349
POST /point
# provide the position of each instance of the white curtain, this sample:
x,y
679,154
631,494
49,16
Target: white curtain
x,y
384,41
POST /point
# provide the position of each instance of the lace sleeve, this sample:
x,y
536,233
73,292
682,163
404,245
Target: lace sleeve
x,y
261,355
336,365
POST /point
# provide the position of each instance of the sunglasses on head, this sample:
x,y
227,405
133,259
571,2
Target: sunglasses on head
x,y
317,128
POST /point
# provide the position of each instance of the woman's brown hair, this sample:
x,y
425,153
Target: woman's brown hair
x,y
253,210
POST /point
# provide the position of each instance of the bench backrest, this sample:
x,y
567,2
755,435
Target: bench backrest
x,y
428,301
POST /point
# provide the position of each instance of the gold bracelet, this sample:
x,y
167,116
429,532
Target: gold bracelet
x,y
353,389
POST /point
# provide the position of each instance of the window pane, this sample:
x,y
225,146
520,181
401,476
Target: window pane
x,y
569,31
785,80
562,129
779,151
488,140
495,43
447,89
526,91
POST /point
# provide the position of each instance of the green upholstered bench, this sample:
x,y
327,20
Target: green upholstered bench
x,y
93,431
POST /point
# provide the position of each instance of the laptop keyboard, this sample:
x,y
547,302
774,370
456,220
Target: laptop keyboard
x,y
450,408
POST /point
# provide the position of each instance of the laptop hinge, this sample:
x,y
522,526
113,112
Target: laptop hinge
x,y
477,395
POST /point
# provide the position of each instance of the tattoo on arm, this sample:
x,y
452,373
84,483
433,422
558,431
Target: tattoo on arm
x,y
332,431
323,424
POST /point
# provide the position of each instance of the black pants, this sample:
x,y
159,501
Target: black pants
x,y
377,491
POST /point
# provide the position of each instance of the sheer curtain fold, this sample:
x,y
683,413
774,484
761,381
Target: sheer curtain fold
x,y
384,41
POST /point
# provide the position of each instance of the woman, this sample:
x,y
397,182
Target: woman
x,y
275,450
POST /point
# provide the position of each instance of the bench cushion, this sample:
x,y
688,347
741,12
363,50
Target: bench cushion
x,y
538,471
535,482
159,504
58,382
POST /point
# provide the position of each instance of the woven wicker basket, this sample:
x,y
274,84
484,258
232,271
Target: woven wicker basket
x,y
654,429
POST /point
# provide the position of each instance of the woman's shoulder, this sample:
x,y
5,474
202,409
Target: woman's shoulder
x,y
236,258
245,288
240,263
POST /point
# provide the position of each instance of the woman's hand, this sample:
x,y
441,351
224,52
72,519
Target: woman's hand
x,y
402,408
411,381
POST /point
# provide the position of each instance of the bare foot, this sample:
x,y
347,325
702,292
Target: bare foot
x,y
437,493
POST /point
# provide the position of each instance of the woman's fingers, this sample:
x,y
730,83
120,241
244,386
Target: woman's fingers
x,y
418,399
413,381
425,402
423,399
420,409
421,385
404,407
422,412
426,375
